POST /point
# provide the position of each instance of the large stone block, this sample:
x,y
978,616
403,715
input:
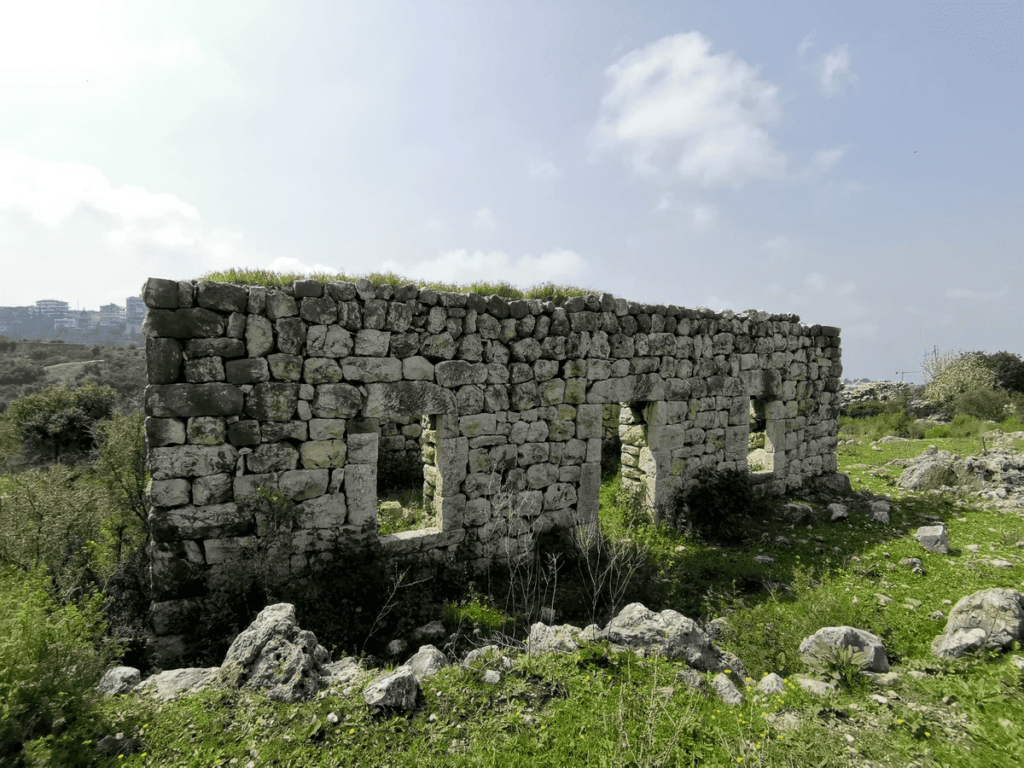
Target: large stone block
x,y
336,401
222,297
323,453
209,522
409,398
191,461
163,360
272,401
458,373
190,323
361,494
183,400
272,457
374,369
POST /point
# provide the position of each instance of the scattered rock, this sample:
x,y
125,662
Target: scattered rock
x,y
484,653
167,685
990,618
772,683
817,687
933,538
848,637
880,511
668,634
427,661
714,628
838,512
692,678
397,690
429,632
273,653
726,690
544,639
797,514
492,677
119,680
765,560
396,647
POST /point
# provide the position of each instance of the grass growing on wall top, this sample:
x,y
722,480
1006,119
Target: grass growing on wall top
x,y
543,291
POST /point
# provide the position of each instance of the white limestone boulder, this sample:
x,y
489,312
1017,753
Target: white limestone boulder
x,y
990,618
848,637
399,690
119,680
273,653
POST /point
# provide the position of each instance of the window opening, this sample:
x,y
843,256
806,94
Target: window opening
x,y
760,451
407,474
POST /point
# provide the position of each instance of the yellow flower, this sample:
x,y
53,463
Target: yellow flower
x,y
926,733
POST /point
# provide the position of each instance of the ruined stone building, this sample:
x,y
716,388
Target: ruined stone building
x,y
305,388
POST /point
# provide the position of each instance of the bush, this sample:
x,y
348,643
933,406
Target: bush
x,y
20,372
51,657
953,374
718,505
984,404
865,409
52,520
1008,369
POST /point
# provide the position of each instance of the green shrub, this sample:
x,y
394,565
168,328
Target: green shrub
x,y
865,409
1008,369
961,426
52,519
985,404
51,657
717,506
953,374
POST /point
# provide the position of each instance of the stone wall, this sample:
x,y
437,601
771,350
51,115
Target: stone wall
x,y
299,388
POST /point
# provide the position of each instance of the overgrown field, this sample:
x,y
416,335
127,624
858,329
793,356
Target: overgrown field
x,y
71,606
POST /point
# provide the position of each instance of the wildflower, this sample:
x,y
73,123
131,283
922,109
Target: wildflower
x,y
926,733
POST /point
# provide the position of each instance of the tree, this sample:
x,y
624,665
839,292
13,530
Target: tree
x,y
1008,369
57,421
952,374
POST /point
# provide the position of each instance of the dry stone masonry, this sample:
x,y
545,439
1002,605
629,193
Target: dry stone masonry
x,y
303,388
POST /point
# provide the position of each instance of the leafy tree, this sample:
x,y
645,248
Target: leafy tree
x,y
953,373
7,345
56,420
20,372
1008,369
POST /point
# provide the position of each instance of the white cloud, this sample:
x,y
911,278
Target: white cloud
x,y
92,234
700,216
806,43
51,190
821,162
48,50
544,170
433,224
815,280
484,218
966,293
835,64
675,107
847,289
777,244
463,267
913,309
703,216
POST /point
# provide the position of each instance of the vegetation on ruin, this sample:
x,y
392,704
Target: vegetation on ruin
x,y
73,601
542,291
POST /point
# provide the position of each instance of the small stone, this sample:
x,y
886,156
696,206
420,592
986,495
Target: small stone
x,y
492,677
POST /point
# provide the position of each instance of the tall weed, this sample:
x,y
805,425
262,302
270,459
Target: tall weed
x,y
51,657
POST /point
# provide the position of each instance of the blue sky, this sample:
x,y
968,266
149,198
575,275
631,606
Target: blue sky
x,y
859,164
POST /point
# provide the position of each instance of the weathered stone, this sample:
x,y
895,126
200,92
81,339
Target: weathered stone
x,y
933,538
119,680
398,690
273,653
988,619
848,637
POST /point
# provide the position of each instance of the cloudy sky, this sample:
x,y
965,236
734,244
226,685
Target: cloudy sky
x,y
858,164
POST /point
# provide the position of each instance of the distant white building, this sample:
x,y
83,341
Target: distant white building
x,y
52,308
112,314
